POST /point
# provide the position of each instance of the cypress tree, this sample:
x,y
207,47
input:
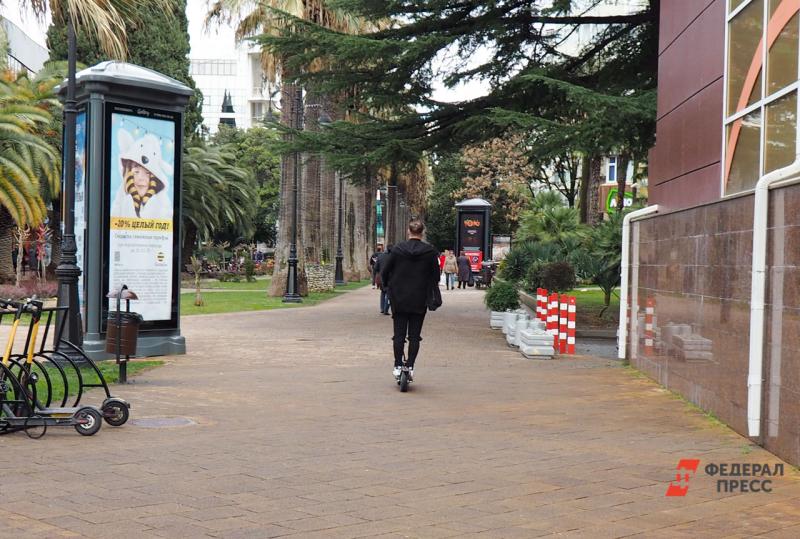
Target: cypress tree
x,y
155,41
597,98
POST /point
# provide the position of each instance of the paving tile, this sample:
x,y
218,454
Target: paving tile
x,y
321,443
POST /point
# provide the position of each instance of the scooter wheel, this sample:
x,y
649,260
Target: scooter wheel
x,y
115,413
34,432
404,381
91,421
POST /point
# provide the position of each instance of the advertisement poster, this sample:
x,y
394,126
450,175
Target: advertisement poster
x,y
141,187
471,231
80,205
475,259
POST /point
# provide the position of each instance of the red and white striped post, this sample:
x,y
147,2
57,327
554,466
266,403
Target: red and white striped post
x,y
539,303
571,314
649,330
562,325
552,319
542,314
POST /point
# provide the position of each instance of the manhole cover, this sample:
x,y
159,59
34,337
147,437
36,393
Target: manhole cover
x,y
162,422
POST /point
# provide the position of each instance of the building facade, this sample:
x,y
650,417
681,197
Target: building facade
x,y
725,119
23,53
234,88
228,72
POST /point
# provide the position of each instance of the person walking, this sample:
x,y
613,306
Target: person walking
x,y
409,272
464,270
384,302
372,260
450,270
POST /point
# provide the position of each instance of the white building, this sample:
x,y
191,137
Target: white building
x,y
220,67
23,51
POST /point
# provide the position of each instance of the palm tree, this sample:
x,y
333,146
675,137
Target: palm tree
x,y
216,194
26,157
550,221
317,185
105,19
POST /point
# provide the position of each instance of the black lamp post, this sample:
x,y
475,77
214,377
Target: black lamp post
x,y
402,221
292,295
339,255
68,270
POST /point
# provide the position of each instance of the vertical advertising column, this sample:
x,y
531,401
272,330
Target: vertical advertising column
x,y
142,204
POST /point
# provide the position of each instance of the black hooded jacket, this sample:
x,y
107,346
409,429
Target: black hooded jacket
x,y
408,272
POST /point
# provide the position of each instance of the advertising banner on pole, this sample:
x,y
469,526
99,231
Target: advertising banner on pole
x,y
80,207
141,204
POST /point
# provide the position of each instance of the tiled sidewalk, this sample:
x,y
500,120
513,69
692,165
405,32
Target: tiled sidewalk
x,y
300,430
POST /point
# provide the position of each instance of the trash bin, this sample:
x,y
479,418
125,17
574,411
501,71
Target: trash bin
x,y
127,331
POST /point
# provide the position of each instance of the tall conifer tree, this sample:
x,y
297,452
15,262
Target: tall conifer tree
x,y
155,41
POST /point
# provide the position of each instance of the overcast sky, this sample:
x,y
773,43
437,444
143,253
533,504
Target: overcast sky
x,y
217,42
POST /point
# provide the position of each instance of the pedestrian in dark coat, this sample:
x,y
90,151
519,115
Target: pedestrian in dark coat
x,y
410,271
376,270
464,270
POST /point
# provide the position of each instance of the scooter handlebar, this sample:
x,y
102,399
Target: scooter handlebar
x,y
32,305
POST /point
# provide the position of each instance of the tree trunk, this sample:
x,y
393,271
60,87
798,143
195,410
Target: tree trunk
x,y
622,180
584,188
594,214
574,180
372,215
311,182
328,207
22,237
55,225
284,236
348,235
7,227
189,242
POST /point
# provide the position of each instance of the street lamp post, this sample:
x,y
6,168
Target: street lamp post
x,y
402,221
68,270
292,295
339,276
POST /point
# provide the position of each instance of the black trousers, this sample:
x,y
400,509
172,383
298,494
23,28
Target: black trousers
x,y
407,324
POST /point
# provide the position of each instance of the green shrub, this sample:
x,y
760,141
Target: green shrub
x,y
518,261
249,270
558,276
533,277
502,296
228,277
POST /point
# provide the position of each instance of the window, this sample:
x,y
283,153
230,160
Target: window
x,y
257,111
612,169
761,84
213,67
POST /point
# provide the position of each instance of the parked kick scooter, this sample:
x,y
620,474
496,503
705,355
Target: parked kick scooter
x,y
23,411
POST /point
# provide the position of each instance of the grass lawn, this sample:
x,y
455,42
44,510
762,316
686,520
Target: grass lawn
x,y
110,371
590,304
236,301
261,283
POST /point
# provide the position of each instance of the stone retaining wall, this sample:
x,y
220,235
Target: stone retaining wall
x,y
320,277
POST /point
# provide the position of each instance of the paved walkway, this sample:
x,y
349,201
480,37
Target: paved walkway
x,y
299,430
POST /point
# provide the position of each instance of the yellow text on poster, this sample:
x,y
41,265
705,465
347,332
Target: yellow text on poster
x,y
127,223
